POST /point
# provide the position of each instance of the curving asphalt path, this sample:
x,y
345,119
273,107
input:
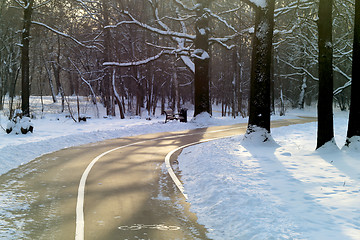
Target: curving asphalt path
x,y
115,189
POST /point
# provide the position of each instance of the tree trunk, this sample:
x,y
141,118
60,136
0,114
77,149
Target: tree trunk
x,y
272,84
301,102
259,114
52,90
202,59
354,117
325,100
12,93
162,101
107,89
117,96
139,98
25,60
176,89
56,69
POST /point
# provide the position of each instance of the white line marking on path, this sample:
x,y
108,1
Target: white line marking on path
x,y
79,233
80,223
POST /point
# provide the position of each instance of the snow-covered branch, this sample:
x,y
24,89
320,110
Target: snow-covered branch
x,y
221,42
180,41
338,70
136,63
286,31
184,6
150,28
86,8
42,4
299,68
200,54
172,50
346,85
223,21
340,89
294,5
19,3
65,35
85,81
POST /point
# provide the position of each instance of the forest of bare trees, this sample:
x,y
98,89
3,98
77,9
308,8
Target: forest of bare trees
x,y
140,54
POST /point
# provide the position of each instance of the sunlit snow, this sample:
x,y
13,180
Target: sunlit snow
x,y
283,190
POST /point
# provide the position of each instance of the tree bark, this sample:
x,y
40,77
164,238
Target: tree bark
x,y
117,96
325,132
56,68
259,107
301,102
354,117
25,60
107,89
202,59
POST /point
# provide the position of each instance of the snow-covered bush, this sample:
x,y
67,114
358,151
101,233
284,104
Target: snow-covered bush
x,y
19,124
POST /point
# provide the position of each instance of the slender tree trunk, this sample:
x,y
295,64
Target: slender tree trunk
x,y
117,96
325,109
301,102
259,114
354,117
56,69
202,59
52,90
282,105
139,98
25,60
176,89
272,84
162,101
12,92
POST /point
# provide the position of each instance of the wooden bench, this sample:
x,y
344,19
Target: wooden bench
x,y
170,115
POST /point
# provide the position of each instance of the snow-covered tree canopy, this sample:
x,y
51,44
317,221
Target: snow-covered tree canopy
x,y
75,43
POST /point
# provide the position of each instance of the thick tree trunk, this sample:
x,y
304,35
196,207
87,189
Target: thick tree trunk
x,y
202,59
259,115
325,102
25,60
354,117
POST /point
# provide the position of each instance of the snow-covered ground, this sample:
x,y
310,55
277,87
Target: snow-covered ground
x,y
282,190
239,191
54,131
